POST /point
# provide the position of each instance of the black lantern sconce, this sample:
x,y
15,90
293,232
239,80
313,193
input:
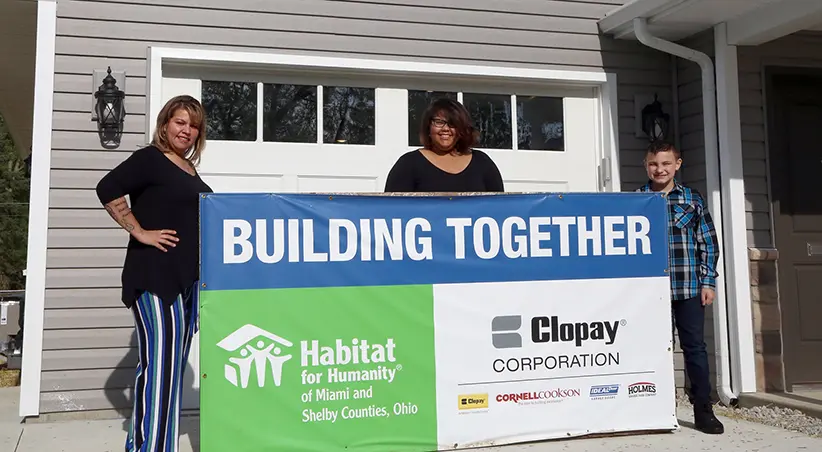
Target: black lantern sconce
x,y
655,122
110,109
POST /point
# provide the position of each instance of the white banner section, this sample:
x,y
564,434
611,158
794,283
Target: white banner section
x,y
522,361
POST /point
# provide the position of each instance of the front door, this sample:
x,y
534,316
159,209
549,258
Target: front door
x,y
796,171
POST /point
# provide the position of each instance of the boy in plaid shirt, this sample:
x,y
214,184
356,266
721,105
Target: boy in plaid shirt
x,y
694,252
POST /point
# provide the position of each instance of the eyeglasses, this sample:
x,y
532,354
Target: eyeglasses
x,y
441,123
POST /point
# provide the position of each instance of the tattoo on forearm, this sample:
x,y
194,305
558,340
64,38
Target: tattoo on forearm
x,y
119,210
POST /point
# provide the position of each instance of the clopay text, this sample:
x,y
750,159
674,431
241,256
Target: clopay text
x,y
339,240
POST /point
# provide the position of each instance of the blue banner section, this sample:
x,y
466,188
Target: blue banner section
x,y
258,241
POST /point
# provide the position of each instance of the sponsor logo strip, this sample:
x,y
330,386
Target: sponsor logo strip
x,y
472,401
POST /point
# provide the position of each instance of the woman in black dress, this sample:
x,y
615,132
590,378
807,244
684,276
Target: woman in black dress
x,y
161,268
447,162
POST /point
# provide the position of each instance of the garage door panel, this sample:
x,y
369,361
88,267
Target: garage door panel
x,y
338,184
244,183
518,186
256,165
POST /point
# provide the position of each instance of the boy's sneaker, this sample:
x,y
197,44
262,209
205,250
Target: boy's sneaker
x,y
705,421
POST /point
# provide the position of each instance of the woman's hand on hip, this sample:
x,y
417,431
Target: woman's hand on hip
x,y
157,238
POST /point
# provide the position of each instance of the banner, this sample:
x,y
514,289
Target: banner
x,y
420,323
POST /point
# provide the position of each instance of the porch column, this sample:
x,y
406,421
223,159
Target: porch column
x,y
738,285
32,360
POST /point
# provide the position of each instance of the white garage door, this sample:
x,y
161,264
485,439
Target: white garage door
x,y
273,133
308,134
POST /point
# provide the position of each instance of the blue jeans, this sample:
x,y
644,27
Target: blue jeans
x,y
689,318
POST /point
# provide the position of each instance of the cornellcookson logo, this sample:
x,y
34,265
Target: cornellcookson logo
x,y
472,401
505,331
642,389
535,397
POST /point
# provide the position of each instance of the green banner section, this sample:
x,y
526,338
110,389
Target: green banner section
x,y
318,369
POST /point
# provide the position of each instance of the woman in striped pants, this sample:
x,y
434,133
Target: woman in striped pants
x,y
161,269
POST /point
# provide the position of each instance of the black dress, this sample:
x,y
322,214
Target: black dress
x,y
162,196
414,173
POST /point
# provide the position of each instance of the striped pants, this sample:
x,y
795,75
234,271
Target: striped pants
x,y
164,334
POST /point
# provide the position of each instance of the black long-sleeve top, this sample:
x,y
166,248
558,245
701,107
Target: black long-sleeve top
x,y
163,196
414,173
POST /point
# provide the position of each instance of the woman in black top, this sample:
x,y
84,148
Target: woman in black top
x,y
162,263
447,163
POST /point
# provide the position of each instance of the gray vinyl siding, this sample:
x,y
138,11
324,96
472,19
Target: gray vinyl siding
x,y
752,115
691,138
88,356
691,126
800,50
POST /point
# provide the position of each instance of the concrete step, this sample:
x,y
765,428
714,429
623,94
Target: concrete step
x,y
808,404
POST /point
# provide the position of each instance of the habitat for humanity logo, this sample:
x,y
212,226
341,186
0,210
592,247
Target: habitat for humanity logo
x,y
257,348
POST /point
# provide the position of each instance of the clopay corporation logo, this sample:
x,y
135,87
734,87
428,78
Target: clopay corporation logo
x,y
266,353
505,331
472,401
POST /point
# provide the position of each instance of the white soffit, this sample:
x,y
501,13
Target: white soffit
x,y
750,22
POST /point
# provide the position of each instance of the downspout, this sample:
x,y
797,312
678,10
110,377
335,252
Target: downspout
x,y
675,100
722,345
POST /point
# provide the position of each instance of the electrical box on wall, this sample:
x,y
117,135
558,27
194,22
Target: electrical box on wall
x,y
9,318
97,80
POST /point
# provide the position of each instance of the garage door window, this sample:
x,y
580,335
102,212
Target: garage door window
x,y
290,113
536,124
540,123
348,115
231,110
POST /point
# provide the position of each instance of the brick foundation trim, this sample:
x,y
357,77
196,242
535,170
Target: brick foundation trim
x,y
767,319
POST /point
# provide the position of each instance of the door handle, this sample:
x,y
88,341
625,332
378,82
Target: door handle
x,y
814,249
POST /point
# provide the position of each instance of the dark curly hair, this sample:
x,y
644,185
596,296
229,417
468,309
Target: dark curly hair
x,y
458,118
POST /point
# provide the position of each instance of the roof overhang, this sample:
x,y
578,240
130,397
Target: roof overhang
x,y
18,37
749,22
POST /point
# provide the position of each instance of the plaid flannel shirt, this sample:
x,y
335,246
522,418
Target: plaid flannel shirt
x,y
692,242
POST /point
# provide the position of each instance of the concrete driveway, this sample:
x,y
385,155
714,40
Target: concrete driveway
x,y
108,435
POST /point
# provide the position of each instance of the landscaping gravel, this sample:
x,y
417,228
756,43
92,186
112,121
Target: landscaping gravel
x,y
773,416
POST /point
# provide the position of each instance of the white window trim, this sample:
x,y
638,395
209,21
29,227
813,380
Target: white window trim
x,y
605,84
32,360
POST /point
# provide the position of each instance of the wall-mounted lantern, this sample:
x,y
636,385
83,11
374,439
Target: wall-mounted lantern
x,y
110,111
655,122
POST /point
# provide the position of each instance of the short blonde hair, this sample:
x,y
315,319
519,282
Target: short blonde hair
x,y
197,114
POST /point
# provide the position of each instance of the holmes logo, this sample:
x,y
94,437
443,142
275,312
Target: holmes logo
x,y
642,389
256,348
604,392
472,401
